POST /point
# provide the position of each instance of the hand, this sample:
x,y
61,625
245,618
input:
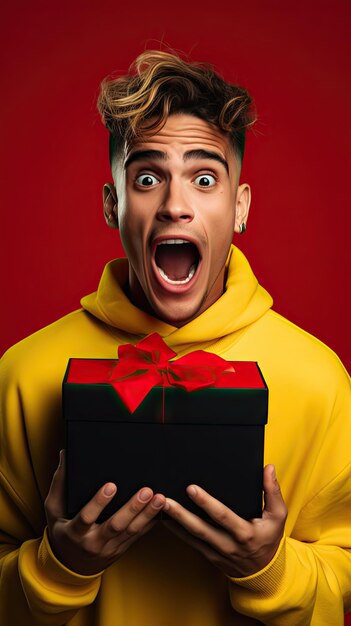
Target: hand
x,y
239,548
86,547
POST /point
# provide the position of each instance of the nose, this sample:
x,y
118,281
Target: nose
x,y
175,206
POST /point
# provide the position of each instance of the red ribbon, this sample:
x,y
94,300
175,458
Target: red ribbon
x,y
147,364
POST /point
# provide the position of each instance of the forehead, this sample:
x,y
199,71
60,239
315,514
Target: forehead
x,y
183,132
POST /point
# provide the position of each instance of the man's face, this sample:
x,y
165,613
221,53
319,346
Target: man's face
x,y
178,197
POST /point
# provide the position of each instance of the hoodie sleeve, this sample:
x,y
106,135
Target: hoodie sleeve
x,y
309,579
34,587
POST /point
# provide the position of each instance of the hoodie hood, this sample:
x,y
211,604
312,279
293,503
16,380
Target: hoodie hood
x,y
243,302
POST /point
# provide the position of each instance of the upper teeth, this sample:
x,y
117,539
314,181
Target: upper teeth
x,y
171,241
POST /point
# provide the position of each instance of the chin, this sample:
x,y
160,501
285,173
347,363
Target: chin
x,y
178,316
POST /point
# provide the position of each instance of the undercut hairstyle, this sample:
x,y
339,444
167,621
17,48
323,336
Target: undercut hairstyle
x,y
160,84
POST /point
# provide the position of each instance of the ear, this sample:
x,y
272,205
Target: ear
x,y
109,198
242,206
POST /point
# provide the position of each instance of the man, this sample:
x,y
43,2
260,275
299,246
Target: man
x,y
177,139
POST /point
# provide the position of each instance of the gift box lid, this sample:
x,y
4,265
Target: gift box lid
x,y
238,397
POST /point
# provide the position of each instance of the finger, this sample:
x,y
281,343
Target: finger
x,y
143,505
273,499
221,514
208,552
88,515
146,516
55,502
216,537
120,548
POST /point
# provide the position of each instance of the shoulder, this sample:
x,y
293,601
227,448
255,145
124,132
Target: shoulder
x,y
291,358
302,344
47,350
302,358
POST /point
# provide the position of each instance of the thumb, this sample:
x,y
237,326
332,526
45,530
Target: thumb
x,y
54,503
274,504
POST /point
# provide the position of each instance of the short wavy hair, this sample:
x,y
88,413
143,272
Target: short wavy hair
x,y
160,84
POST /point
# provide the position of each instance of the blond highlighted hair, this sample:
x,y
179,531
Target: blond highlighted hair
x,y
160,84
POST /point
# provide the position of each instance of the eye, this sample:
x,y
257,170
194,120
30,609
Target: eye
x,y
205,180
147,180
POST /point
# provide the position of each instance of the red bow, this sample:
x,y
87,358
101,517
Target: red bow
x,y
147,364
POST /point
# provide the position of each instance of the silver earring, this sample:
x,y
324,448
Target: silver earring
x,y
242,228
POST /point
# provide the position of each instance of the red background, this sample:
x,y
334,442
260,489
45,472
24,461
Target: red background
x,y
292,55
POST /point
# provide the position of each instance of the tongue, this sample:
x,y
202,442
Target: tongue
x,y
176,259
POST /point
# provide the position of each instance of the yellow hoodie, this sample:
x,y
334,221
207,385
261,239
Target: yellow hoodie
x,y
160,581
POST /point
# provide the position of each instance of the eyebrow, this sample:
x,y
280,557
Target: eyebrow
x,y
142,155
158,155
206,154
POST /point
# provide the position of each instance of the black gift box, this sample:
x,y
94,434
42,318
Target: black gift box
x,y
213,437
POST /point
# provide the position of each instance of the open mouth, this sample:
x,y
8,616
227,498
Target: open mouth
x,y
176,260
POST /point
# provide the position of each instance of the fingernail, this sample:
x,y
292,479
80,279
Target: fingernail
x,y
158,502
192,491
145,495
109,490
273,473
61,458
166,506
